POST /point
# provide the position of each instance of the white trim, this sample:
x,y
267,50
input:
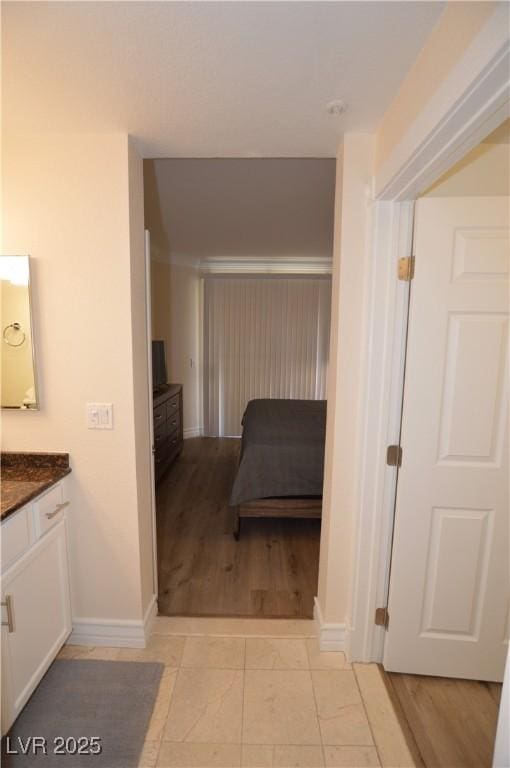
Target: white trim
x,y
193,432
150,616
332,637
150,412
284,265
118,633
113,632
501,756
201,337
249,265
385,343
471,101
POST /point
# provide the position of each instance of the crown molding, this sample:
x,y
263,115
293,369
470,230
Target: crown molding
x,y
284,265
467,106
244,265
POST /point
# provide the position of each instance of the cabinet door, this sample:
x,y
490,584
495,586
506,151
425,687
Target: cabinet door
x,y
38,586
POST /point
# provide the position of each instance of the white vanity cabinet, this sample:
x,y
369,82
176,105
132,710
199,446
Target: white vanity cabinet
x,y
36,610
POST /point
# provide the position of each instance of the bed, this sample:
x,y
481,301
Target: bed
x,y
281,464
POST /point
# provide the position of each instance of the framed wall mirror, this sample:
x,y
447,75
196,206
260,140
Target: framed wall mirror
x,y
18,377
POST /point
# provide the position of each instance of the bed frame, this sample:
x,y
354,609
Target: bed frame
x,y
288,506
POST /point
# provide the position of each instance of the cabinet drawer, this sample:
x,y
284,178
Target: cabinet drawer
x,y
15,536
174,440
173,406
49,509
167,447
173,422
160,430
161,458
160,437
159,415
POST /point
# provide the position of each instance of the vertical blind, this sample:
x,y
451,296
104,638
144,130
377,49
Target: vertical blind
x,y
263,337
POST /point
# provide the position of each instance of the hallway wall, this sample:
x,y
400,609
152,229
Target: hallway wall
x,y
87,296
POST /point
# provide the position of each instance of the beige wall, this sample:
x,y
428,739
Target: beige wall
x,y
160,306
345,377
184,349
176,318
67,204
16,364
455,30
483,171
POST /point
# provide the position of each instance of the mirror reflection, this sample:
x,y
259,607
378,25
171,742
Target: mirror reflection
x,y
18,385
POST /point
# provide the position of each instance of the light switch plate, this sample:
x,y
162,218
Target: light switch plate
x,y
100,415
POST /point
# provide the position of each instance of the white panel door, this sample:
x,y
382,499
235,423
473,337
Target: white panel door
x,y
449,585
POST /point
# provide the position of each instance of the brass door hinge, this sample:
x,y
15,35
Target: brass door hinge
x,y
394,456
382,617
406,268
8,605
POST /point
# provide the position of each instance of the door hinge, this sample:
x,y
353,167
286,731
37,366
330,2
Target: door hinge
x,y
394,456
382,617
406,268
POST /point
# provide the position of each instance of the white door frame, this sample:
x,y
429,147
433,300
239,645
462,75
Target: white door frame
x,y
148,318
470,103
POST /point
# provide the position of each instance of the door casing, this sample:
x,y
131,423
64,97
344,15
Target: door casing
x,y
148,317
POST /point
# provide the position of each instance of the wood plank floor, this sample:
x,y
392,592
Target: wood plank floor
x,y
270,572
449,723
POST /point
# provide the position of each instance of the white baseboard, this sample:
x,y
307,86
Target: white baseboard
x,y
332,637
118,633
193,432
150,615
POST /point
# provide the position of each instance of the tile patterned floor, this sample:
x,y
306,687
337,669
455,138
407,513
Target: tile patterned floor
x,y
252,702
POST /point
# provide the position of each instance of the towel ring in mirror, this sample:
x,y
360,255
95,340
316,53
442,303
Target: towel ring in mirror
x,y
16,327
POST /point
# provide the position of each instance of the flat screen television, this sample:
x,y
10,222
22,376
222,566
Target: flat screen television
x,y
159,377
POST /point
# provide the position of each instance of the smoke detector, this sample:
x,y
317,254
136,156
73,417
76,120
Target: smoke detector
x,y
336,107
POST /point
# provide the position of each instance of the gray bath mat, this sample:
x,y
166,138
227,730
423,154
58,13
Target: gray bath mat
x,y
77,700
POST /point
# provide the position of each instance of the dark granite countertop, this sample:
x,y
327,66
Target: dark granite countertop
x,y
25,475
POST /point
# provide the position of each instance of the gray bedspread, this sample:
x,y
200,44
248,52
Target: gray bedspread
x,y
282,450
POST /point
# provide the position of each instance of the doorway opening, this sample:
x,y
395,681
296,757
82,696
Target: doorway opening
x,y
241,255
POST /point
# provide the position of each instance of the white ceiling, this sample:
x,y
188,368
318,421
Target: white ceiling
x,y
198,79
203,208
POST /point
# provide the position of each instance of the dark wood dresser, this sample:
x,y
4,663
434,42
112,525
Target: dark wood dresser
x,y
168,436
